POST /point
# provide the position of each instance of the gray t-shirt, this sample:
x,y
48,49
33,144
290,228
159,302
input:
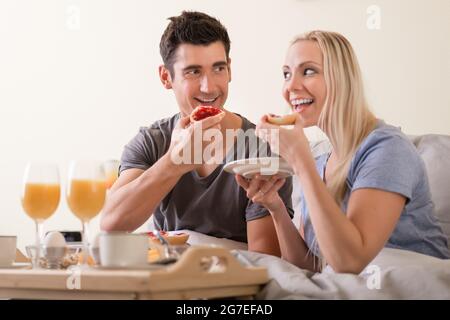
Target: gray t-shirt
x,y
215,205
387,160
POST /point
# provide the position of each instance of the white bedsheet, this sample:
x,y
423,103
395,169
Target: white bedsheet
x,y
399,274
402,275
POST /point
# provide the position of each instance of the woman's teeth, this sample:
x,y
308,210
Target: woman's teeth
x,y
299,103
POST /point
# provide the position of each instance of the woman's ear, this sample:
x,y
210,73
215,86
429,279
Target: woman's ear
x,y
164,76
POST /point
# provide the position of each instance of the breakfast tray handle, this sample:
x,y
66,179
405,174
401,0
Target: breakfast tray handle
x,y
192,263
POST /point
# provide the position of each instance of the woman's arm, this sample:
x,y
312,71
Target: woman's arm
x,y
348,241
292,245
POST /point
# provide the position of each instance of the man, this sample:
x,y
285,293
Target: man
x,y
197,196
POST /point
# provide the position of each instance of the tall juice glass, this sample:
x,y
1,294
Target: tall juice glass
x,y
40,197
86,192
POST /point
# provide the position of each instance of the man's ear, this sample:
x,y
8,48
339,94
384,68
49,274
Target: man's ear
x,y
164,76
229,69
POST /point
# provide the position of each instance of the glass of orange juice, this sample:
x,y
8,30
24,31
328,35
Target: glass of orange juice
x,y
111,171
86,192
40,197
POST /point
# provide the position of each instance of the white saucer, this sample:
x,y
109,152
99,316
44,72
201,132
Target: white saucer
x,y
17,265
283,173
266,166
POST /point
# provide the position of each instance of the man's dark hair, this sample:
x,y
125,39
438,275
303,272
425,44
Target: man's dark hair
x,y
194,28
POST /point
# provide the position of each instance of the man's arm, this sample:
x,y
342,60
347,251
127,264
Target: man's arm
x,y
137,193
262,236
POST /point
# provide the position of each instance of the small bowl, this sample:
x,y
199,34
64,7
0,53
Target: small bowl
x,y
166,252
54,257
172,237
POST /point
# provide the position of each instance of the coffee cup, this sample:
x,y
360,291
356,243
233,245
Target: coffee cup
x,y
123,249
8,246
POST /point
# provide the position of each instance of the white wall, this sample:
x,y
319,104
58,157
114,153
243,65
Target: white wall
x,y
68,93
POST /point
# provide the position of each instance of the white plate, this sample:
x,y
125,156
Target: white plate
x,y
17,265
266,166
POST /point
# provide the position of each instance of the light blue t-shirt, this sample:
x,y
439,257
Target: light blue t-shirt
x,y
387,160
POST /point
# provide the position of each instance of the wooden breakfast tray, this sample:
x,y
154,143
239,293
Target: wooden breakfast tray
x,y
201,272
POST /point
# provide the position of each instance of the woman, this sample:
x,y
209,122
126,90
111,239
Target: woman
x,y
370,191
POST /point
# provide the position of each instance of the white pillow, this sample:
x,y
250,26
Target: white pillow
x,y
435,151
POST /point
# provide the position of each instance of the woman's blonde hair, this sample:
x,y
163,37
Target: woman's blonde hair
x,y
345,117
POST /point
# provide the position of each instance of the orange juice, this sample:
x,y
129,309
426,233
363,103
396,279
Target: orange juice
x,y
86,197
40,200
112,172
110,179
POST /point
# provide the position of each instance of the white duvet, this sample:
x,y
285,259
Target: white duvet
x,y
393,274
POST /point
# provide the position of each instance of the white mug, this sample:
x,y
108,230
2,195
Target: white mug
x,y
122,249
7,250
